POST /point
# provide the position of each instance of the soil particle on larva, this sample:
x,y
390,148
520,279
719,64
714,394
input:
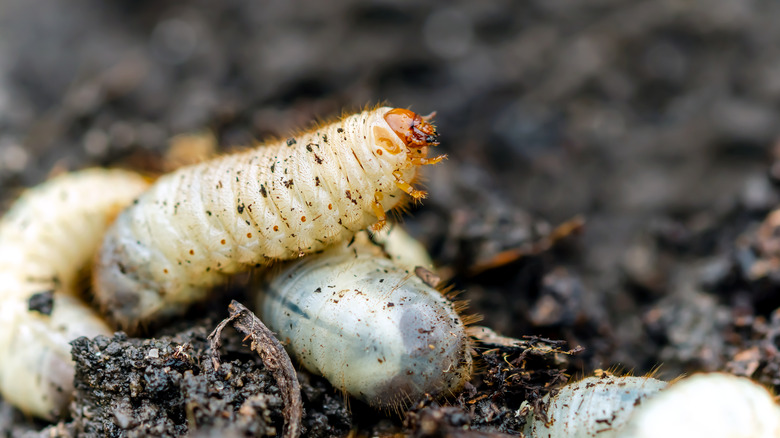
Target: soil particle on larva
x,y
42,302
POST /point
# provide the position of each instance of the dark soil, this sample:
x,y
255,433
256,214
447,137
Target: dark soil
x,y
656,121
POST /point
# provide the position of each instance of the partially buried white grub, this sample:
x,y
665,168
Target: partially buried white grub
x,y
373,329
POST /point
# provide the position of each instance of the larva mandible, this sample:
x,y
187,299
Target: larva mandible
x,y
47,240
201,223
373,329
713,405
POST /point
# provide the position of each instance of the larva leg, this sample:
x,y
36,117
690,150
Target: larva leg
x,y
380,214
422,161
408,188
47,238
373,329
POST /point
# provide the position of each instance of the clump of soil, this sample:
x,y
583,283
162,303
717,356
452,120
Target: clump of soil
x,y
168,386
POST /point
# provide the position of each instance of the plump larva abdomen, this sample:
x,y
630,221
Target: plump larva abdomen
x,y
592,407
47,240
374,330
713,405
279,201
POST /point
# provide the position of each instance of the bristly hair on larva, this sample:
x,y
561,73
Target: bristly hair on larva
x,y
374,329
202,223
47,239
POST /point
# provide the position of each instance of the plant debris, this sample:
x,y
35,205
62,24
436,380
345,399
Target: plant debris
x,y
274,358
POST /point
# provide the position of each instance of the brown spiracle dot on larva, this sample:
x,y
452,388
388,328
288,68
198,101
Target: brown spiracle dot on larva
x,y
47,239
274,202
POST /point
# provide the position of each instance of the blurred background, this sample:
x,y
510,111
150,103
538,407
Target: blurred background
x,y
655,120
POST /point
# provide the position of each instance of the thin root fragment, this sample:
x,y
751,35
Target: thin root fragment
x,y
559,233
274,358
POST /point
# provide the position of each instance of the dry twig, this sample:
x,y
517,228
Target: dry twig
x,y
273,356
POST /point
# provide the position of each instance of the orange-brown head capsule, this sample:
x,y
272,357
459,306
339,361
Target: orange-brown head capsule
x,y
412,128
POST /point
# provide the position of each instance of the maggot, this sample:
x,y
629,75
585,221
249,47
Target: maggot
x,y
373,329
278,201
47,240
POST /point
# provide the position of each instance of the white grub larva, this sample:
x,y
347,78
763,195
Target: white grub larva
x,y
712,405
36,374
279,201
47,240
374,330
592,407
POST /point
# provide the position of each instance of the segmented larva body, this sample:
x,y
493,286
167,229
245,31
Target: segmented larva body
x,y
279,201
713,405
47,240
373,329
592,407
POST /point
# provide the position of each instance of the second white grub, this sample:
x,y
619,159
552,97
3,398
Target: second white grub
x,y
47,240
373,329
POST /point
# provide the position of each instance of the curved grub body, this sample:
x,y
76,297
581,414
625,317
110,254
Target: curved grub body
x,y
204,222
374,330
593,407
47,240
714,405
